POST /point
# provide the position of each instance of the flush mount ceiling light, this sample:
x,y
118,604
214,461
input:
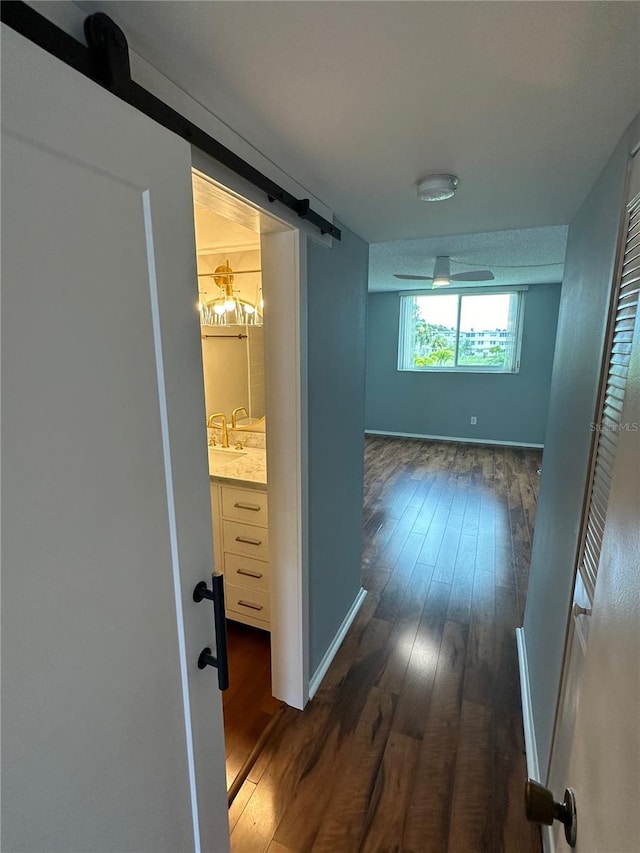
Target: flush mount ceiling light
x,y
437,187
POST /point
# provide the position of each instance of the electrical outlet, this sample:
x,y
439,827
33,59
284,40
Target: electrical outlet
x,y
474,420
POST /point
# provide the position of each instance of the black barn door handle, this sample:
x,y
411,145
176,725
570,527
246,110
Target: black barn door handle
x,y
205,658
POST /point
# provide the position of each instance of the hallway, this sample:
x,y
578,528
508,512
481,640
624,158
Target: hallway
x,y
414,740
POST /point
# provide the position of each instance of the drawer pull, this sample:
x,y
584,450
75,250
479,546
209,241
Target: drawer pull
x,y
248,541
251,605
248,573
252,507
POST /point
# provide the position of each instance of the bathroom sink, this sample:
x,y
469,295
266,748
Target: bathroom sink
x,y
219,454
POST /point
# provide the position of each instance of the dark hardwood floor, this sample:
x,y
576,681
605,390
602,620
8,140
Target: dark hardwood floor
x,y
414,740
248,704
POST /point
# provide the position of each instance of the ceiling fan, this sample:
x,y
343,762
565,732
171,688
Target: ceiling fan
x,y
442,274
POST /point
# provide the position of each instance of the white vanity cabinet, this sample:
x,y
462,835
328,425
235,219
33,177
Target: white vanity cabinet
x,y
241,542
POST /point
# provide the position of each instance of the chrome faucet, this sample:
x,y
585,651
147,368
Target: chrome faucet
x,y
211,422
235,413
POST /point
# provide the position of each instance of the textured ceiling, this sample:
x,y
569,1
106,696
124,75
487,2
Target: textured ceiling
x,y
523,100
527,256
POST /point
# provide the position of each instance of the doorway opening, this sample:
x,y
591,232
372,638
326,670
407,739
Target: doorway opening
x,y
247,269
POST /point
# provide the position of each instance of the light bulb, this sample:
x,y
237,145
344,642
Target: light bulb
x,y
249,309
229,304
219,309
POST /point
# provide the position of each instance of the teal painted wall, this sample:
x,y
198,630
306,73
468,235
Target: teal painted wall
x,y
509,407
336,310
588,273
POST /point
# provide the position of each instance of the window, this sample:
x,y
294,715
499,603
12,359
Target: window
x,y
468,331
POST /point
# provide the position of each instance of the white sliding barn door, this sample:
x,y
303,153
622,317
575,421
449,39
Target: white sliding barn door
x,y
112,738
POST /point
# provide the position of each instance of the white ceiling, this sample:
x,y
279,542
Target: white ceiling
x,y
524,101
215,233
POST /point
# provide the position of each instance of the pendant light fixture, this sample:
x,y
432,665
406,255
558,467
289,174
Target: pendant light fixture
x,y
228,309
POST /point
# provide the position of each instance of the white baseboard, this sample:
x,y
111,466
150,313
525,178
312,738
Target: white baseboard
x,y
531,749
329,655
457,438
533,768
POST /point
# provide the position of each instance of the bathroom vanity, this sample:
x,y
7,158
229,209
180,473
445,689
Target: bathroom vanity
x,y
241,532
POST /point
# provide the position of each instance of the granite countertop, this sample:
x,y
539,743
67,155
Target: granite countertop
x,y
246,467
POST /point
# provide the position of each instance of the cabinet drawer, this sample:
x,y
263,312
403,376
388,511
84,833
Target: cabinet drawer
x,y
245,539
255,603
243,571
244,505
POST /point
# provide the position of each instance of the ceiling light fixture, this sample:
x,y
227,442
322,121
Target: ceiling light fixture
x,y
229,309
441,272
437,187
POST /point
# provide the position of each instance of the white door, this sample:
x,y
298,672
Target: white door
x,y
112,738
596,747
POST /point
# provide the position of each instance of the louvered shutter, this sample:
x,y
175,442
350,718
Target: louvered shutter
x,y
609,422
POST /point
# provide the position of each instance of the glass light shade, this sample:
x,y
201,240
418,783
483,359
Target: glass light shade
x,y
437,187
228,312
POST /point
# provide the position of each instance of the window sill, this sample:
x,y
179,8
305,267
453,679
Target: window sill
x,y
485,370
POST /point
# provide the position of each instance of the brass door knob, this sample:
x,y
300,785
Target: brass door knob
x,y
540,807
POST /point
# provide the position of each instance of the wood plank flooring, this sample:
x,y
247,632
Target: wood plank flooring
x,y
248,705
414,740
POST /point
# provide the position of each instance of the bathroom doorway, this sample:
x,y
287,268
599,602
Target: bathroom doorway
x,y
248,283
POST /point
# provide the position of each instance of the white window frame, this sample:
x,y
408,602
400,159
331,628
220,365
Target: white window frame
x,y
405,331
